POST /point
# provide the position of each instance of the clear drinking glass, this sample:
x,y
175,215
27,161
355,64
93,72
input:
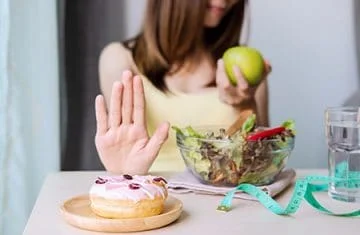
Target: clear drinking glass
x,y
343,138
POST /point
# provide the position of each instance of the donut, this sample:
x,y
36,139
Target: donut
x,y
128,196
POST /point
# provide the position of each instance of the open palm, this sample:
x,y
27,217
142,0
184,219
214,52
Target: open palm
x,y
122,140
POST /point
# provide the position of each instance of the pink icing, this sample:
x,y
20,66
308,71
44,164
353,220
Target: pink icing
x,y
128,187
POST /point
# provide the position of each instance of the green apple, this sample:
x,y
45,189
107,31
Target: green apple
x,y
249,60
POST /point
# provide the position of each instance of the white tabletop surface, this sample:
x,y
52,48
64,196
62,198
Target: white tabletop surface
x,y
199,215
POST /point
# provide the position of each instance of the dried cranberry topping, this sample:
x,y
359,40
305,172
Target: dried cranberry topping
x,y
158,179
100,181
134,186
128,177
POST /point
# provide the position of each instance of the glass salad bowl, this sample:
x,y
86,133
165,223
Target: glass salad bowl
x,y
254,155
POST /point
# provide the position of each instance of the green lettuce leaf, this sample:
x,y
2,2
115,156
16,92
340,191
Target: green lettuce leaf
x,y
290,125
249,124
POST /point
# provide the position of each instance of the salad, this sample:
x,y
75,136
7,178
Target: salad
x,y
252,155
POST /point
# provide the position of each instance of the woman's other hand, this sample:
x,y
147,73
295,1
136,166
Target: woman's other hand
x,y
235,95
122,140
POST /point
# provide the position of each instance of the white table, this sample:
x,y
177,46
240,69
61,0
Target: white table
x,y
199,215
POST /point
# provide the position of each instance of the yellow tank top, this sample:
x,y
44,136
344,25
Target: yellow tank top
x,y
181,109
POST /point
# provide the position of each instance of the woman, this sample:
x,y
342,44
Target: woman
x,y
178,57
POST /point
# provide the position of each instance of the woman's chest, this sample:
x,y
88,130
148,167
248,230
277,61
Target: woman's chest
x,y
196,79
183,109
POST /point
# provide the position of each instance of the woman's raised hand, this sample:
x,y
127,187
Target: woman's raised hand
x,y
235,95
122,140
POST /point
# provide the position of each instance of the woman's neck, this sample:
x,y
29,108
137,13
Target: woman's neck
x,y
195,76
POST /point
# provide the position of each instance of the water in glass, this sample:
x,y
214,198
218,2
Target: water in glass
x,y
343,137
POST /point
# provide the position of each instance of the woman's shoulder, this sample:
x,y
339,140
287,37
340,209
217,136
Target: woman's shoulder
x,y
114,59
116,56
116,48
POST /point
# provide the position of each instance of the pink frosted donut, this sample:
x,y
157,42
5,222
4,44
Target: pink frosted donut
x,y
127,196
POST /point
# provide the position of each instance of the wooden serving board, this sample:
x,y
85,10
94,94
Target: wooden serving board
x,y
77,212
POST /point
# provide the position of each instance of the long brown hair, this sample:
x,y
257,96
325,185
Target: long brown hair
x,y
173,32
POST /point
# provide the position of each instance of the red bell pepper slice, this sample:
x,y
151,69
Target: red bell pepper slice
x,y
265,133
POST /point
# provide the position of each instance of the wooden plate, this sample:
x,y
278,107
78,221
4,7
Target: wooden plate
x,y
77,212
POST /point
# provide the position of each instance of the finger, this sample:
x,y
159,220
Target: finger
x,y
157,140
242,83
139,101
268,67
115,105
238,97
221,76
245,95
252,91
127,101
101,115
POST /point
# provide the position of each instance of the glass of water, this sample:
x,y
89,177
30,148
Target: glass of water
x,y
343,139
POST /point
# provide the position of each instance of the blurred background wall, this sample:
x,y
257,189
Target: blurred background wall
x,y
312,46
85,27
